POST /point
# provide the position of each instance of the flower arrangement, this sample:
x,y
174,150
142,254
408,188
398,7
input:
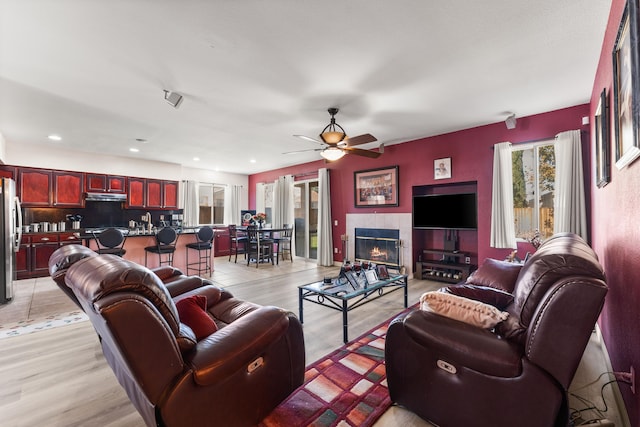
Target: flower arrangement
x,y
260,217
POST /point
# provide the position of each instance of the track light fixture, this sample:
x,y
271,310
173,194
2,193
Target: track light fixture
x,y
511,121
174,99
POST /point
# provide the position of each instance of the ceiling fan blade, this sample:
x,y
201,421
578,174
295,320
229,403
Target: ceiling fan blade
x,y
303,151
360,139
361,152
308,138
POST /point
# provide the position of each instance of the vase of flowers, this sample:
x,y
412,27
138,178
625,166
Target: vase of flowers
x,y
259,218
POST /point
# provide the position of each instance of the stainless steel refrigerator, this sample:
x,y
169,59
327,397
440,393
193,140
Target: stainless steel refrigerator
x,y
11,234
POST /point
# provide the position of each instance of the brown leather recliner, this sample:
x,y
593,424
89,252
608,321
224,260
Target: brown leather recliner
x,y
455,374
233,377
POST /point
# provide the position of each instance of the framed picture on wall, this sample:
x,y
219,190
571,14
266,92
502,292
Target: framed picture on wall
x,y
442,168
376,187
602,157
625,87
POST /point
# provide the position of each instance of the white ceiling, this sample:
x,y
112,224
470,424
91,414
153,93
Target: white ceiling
x,y
253,73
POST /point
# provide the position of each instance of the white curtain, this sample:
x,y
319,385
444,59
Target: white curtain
x,y
233,202
325,236
260,197
190,202
283,209
569,201
503,233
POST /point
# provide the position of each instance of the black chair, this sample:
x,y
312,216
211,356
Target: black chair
x,y
166,239
203,244
237,242
258,247
283,243
110,241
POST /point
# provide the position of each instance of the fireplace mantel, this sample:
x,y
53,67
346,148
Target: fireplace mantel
x,y
397,221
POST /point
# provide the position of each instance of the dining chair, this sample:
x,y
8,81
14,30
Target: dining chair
x,y
166,240
258,246
237,242
203,246
110,241
283,243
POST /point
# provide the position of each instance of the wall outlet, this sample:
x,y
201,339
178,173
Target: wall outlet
x,y
335,222
467,260
627,377
335,250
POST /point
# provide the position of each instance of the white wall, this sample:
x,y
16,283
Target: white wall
x,y
3,149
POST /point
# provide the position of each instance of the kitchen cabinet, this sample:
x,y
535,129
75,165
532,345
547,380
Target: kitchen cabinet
x,y
49,188
221,242
23,258
137,192
8,172
32,260
35,187
105,183
152,194
68,189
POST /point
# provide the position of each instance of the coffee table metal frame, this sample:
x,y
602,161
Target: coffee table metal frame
x,y
347,301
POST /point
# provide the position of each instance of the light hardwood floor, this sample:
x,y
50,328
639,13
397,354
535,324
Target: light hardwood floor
x,y
59,377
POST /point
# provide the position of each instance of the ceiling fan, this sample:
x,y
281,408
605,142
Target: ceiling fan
x,y
336,143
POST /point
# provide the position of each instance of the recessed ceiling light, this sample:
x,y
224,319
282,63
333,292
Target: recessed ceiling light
x,y
55,137
133,150
252,160
197,159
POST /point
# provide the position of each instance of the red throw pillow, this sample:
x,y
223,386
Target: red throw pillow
x,y
192,312
496,274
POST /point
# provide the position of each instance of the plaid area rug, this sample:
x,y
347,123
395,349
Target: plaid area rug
x,y
346,388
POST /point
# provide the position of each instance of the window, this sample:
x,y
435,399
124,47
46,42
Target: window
x,y
211,204
534,175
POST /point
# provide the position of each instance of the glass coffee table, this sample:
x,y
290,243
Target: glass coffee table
x,y
345,297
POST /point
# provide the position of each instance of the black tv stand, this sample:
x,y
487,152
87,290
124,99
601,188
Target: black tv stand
x,y
443,265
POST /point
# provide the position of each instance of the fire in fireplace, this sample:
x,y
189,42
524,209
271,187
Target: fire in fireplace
x,y
378,245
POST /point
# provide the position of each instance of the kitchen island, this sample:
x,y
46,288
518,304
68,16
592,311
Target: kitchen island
x,y
137,240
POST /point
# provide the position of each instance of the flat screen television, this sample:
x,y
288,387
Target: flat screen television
x,y
446,211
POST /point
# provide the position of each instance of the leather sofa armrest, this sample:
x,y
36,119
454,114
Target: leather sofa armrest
x,y
167,273
183,284
464,345
236,345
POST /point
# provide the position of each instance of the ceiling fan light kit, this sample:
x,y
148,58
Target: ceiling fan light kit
x,y
332,154
337,144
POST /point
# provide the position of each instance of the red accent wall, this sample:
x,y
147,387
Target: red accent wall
x,y
616,233
471,152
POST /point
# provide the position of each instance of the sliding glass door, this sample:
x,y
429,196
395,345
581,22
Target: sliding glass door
x,y
306,219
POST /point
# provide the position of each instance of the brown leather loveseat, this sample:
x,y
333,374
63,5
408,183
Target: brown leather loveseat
x,y
516,373
233,376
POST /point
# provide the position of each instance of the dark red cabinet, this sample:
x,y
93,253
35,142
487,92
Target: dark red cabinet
x,y
136,194
23,259
8,172
221,242
36,186
152,194
105,183
68,189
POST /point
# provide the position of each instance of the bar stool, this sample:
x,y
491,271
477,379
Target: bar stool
x,y
166,239
110,241
203,245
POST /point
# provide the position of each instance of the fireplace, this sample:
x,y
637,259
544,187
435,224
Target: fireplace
x,y
378,245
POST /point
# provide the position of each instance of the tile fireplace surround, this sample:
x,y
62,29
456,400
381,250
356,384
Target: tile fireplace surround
x,y
394,221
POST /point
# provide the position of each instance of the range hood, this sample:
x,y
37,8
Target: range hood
x,y
105,197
